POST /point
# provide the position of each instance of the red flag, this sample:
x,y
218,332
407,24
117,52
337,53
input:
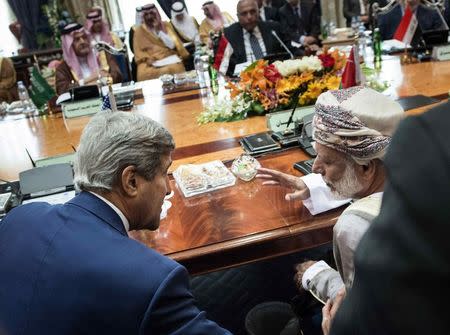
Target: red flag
x,y
407,27
223,43
352,75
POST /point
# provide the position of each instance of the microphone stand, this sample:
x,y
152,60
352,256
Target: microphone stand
x,y
282,44
288,131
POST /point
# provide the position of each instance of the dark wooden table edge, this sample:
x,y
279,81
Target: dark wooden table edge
x,y
246,250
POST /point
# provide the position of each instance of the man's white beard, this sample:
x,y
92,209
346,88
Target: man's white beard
x,y
348,186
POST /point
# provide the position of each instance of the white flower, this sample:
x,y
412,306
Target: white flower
x,y
292,66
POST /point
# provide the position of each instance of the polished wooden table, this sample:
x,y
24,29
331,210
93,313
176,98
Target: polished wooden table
x,y
228,227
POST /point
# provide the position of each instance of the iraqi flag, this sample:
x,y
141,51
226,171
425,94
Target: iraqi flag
x,y
407,27
352,75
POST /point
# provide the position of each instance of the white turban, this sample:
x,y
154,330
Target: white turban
x,y
357,121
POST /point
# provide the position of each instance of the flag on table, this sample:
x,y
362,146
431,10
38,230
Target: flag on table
x,y
352,75
40,92
407,27
106,103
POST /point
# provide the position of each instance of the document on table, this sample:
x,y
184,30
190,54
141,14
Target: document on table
x,y
167,61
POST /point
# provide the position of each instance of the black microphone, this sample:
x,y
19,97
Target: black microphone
x,y
282,44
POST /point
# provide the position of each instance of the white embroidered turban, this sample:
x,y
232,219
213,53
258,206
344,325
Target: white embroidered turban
x,y
357,121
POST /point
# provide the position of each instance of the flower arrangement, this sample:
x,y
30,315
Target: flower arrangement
x,y
265,87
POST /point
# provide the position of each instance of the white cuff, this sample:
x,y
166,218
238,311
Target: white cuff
x,y
302,40
312,271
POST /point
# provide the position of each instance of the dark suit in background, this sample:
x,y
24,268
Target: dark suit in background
x,y
72,269
402,264
429,19
307,25
352,8
235,36
271,14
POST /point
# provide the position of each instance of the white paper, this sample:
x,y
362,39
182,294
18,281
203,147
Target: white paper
x,y
389,45
167,61
53,199
64,97
240,67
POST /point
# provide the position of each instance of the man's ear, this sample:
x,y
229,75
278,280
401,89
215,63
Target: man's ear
x,y
370,170
129,181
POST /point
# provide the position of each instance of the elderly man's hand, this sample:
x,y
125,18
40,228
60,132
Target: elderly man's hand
x,y
329,311
273,177
300,269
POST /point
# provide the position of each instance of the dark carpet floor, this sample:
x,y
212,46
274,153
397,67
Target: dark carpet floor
x,y
227,296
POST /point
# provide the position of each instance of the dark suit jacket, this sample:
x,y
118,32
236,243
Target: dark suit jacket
x,y
235,37
428,20
271,14
402,264
351,8
309,23
72,269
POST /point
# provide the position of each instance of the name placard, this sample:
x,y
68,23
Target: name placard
x,y
81,108
441,52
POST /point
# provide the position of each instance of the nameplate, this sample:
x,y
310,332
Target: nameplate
x,y
441,52
81,108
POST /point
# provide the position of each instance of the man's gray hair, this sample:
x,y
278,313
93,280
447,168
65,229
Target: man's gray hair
x,y
112,141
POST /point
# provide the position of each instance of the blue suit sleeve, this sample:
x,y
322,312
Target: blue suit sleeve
x,y
172,310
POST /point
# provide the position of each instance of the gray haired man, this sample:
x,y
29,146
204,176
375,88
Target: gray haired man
x,y
79,272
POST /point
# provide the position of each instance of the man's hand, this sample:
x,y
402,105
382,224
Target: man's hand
x,y
300,271
309,40
329,311
273,177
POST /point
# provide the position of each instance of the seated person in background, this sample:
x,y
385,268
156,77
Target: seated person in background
x,y
356,8
352,129
274,3
154,40
81,66
185,25
80,271
247,40
8,87
99,29
300,21
267,13
429,19
214,22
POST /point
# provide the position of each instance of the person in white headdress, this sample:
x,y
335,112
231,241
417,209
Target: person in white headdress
x,y
157,48
185,25
352,129
214,22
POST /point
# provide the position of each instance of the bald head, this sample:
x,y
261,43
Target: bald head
x,y
248,14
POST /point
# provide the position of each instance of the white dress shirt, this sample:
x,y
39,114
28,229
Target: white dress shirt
x,y
248,47
125,222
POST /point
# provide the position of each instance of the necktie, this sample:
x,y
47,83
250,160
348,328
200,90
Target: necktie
x,y
256,47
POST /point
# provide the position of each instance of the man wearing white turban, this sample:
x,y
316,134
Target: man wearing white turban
x,y
352,129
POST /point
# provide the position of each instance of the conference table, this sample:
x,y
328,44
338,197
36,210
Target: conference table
x,y
243,223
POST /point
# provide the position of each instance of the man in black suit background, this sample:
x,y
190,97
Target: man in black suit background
x,y
300,20
267,13
247,40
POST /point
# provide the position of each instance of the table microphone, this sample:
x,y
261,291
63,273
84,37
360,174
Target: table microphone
x,y
282,44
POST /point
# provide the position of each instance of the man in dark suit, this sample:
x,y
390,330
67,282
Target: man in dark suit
x,y
300,20
267,13
356,8
72,269
402,264
247,40
429,19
